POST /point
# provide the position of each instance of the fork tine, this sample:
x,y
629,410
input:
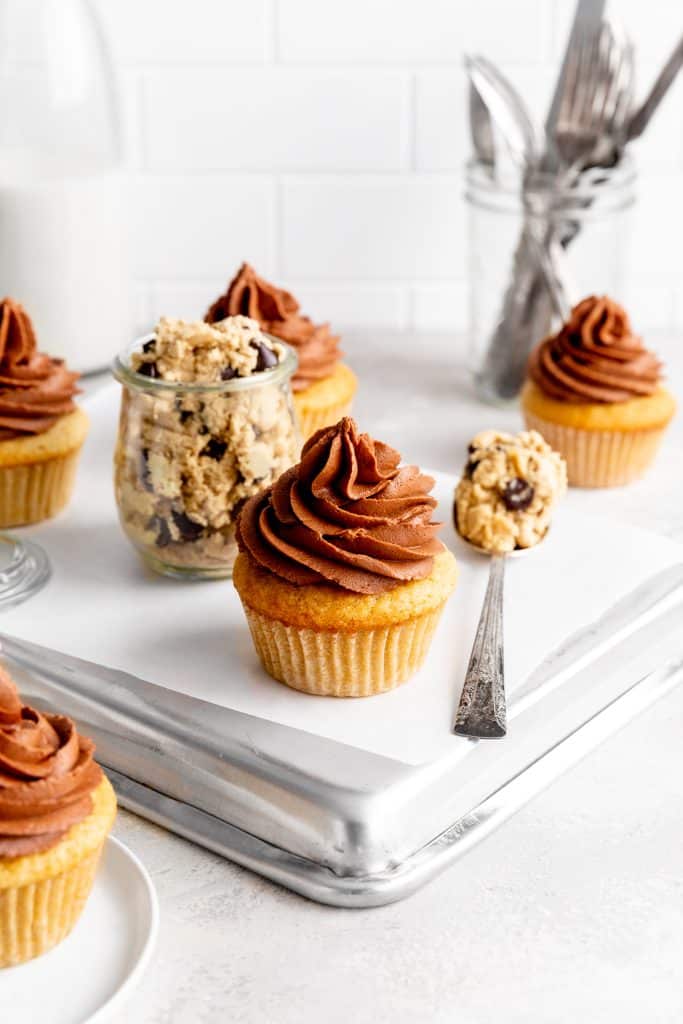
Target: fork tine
x,y
597,93
594,80
572,78
625,101
583,78
612,74
603,77
570,120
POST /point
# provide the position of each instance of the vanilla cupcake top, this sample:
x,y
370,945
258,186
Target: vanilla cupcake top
x,y
278,313
35,389
186,352
508,490
348,515
47,775
596,357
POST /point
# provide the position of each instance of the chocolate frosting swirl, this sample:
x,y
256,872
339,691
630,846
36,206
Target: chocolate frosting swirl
x,y
35,390
348,514
47,774
277,311
596,357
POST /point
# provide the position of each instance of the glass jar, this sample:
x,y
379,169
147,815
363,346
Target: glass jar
x,y
510,309
189,455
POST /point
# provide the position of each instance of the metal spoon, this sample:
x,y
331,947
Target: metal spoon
x,y
482,710
506,108
641,117
481,129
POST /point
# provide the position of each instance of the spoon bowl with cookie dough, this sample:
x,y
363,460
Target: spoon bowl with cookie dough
x,y
503,508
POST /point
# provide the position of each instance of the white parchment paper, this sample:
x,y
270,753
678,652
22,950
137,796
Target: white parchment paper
x,y
102,605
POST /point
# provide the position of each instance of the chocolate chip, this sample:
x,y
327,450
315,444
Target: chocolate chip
x,y
148,369
145,476
188,529
203,429
517,494
214,449
150,345
471,448
266,357
229,373
185,415
163,533
470,467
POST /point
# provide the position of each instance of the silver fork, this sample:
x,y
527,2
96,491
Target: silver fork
x,y
596,102
592,119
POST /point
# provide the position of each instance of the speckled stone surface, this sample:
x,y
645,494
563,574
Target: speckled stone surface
x,y
572,911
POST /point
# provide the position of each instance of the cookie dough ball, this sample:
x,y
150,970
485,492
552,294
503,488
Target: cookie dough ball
x,y
509,487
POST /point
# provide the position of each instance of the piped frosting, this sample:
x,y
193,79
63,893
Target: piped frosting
x,y
47,775
596,357
35,389
348,515
278,313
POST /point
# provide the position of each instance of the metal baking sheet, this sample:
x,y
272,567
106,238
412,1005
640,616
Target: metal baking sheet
x,y
352,802
339,824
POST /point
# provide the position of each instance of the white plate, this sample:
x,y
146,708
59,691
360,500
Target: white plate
x,y
86,977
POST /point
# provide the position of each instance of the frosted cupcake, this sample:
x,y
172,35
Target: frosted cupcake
x,y
323,386
595,394
41,429
56,810
340,572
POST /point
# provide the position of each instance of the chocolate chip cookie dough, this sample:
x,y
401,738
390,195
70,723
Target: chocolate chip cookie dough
x,y
508,489
206,422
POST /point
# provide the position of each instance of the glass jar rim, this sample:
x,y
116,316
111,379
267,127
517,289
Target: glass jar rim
x,y
125,374
593,182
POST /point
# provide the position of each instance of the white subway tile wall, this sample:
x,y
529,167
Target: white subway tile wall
x,y
325,142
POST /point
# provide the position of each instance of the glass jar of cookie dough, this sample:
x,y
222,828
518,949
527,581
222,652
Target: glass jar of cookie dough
x,y
189,454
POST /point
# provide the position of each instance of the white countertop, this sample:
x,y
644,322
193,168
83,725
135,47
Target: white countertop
x,y
572,911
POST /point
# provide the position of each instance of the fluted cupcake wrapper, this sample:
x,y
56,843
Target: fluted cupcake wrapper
x,y
311,420
341,664
600,458
36,916
36,491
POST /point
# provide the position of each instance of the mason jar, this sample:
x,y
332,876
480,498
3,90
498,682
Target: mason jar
x,y
188,456
585,227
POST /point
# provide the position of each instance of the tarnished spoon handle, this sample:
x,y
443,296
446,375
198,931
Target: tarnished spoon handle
x,y
481,711
665,79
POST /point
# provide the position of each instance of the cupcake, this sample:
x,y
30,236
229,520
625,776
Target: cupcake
x,y
339,569
323,386
56,810
508,491
41,429
595,394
